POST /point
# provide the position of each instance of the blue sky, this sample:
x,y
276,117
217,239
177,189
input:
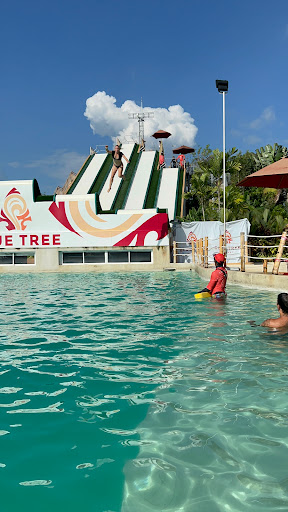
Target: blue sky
x,y
57,54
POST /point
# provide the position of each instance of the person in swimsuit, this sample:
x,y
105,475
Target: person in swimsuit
x,y
282,306
217,283
117,164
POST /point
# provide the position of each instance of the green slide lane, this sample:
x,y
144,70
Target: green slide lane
x,y
152,190
102,175
80,174
122,194
179,193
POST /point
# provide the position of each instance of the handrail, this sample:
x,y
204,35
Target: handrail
x,y
199,250
264,236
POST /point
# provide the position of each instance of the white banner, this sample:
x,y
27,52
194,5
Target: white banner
x,y
185,232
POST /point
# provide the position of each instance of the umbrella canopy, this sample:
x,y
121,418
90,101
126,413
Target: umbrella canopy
x,y
161,134
273,176
184,150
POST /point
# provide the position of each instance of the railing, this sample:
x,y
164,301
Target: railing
x,y
270,258
183,249
199,250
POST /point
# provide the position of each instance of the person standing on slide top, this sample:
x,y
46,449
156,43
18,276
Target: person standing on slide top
x,y
217,283
117,164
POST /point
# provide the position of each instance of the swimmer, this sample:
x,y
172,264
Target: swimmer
x,y
117,164
282,306
217,283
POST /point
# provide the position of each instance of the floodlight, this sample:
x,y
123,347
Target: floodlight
x,y
222,85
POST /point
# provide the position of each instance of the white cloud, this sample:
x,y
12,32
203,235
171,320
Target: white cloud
x,y
252,140
57,165
51,170
14,164
106,119
236,133
267,116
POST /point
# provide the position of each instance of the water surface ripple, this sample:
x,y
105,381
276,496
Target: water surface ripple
x,y
121,393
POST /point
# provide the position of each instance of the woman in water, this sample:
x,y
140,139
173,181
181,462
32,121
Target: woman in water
x,y
117,164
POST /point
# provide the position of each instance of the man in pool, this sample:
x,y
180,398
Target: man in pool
x,y
217,283
282,306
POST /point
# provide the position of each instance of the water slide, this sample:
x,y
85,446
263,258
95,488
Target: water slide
x,y
138,190
168,191
107,198
85,183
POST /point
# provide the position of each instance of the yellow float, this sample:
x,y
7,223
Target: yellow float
x,y
202,295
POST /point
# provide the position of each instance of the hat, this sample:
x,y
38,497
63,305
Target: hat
x,y
220,258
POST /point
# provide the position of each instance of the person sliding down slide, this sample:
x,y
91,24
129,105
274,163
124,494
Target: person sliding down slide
x,y
217,283
117,164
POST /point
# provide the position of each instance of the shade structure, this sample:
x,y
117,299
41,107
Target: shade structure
x,y
184,150
161,134
273,176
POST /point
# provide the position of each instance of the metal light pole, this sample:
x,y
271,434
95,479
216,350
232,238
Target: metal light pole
x,y
222,86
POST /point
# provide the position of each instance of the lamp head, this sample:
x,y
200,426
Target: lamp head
x,y
222,85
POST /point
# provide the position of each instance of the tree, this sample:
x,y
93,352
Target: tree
x,y
248,166
200,189
213,165
269,155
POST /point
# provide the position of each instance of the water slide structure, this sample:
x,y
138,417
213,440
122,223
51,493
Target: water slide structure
x,y
82,225
144,186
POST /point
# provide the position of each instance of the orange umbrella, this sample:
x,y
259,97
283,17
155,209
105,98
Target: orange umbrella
x,y
273,176
184,150
161,134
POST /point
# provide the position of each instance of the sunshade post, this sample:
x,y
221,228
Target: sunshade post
x,y
183,190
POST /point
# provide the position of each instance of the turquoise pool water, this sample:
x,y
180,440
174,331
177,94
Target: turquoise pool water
x,y
122,393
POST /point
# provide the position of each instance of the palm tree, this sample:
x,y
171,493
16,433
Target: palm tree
x,y
269,155
200,188
214,166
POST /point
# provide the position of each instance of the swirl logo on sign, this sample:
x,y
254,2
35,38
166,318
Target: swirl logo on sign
x,y
15,212
191,237
228,237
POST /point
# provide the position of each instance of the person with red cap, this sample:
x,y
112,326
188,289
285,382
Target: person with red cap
x,y
217,283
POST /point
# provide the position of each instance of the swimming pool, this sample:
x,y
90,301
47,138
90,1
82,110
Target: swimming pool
x,y
120,392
